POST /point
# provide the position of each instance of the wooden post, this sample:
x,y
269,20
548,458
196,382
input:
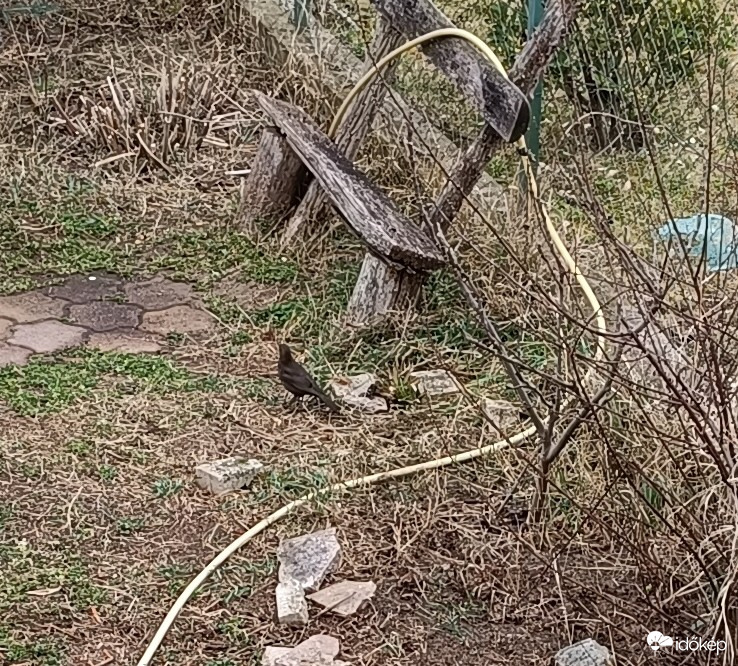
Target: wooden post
x,y
273,184
355,127
368,302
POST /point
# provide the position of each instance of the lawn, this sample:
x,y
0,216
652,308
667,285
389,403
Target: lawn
x,y
101,522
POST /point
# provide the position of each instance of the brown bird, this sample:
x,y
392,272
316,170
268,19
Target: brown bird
x,y
297,380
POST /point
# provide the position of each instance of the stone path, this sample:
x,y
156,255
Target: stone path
x,y
100,311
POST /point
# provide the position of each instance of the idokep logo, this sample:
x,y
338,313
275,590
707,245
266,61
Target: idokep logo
x,y
658,641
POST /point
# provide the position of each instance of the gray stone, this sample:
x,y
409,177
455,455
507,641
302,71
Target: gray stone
x,y
12,355
358,391
434,382
158,293
344,598
503,414
178,319
584,653
104,315
127,342
87,288
228,474
29,307
309,558
5,326
292,610
45,337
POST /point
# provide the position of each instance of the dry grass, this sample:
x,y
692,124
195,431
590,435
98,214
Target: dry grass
x,y
118,131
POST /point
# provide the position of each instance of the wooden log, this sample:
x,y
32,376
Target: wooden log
x,y
498,100
356,125
365,209
274,182
367,303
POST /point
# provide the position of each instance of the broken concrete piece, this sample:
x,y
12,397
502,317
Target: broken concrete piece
x,y
272,653
504,415
357,391
318,650
222,476
292,610
308,559
344,598
584,653
434,382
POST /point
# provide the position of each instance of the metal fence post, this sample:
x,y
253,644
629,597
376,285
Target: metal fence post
x,y
533,135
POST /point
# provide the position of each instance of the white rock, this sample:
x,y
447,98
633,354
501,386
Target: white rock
x,y
318,650
308,559
357,392
292,610
222,476
504,415
434,382
272,653
584,653
344,598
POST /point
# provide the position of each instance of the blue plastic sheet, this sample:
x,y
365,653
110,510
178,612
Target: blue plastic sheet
x,y
717,232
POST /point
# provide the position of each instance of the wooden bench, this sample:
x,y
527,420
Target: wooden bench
x,y
365,209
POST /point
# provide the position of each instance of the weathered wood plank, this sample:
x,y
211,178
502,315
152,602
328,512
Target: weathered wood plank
x,y
367,303
272,186
365,209
356,125
501,103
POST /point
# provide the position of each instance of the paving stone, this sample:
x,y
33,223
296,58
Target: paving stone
x,y
292,610
49,336
105,315
178,319
12,355
87,288
434,382
222,476
5,326
31,306
584,653
158,294
344,598
358,391
309,558
127,342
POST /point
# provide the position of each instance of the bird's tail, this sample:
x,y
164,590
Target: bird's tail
x,y
327,401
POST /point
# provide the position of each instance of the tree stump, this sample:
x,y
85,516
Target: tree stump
x,y
272,187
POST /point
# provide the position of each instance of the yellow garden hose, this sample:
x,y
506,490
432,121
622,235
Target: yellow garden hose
x,y
373,479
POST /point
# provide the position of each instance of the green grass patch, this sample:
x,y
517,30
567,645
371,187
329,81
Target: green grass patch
x,y
43,387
